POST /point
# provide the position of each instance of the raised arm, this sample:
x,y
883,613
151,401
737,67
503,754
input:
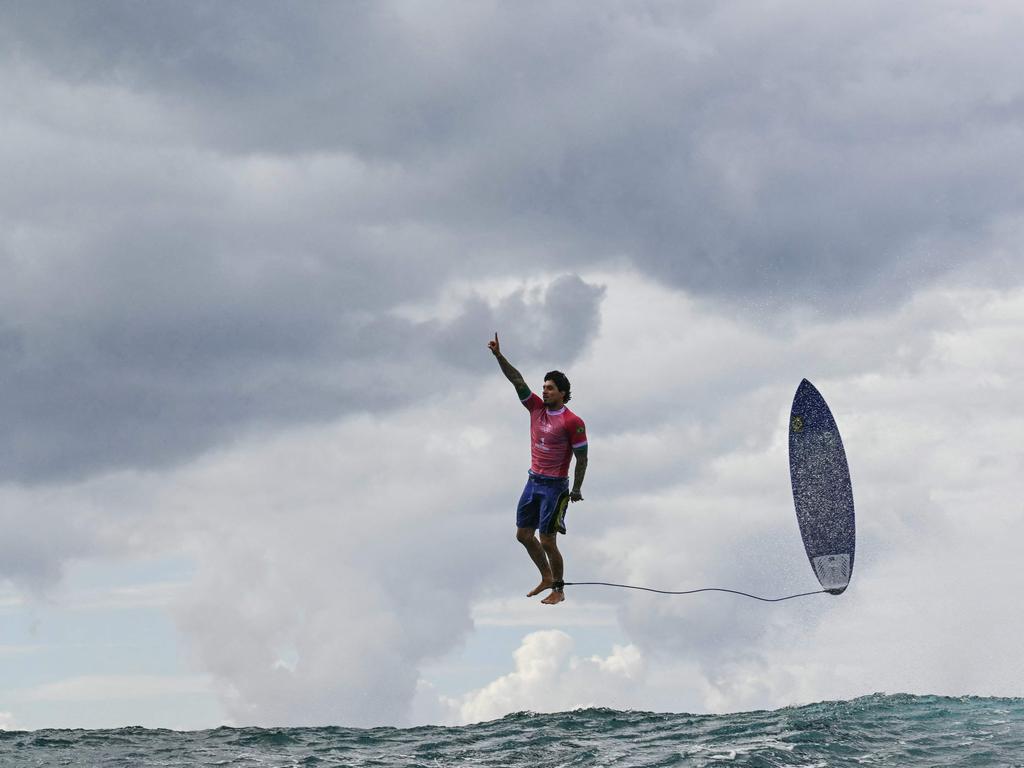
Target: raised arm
x,y
506,367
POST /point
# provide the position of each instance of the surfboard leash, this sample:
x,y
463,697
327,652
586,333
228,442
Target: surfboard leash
x,y
689,591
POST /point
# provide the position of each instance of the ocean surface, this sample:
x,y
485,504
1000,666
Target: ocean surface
x,y
870,731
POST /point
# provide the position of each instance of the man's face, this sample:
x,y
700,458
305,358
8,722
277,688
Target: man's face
x,y
552,395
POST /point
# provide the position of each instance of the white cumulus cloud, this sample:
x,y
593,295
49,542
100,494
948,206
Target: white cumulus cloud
x,y
548,677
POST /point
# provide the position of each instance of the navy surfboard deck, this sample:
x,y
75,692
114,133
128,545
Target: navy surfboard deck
x,y
822,490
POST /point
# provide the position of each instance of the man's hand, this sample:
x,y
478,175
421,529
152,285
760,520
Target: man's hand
x,y
575,496
493,345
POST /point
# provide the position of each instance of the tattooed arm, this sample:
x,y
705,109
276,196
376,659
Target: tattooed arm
x,y
510,373
581,470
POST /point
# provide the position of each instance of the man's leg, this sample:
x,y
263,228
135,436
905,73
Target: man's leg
x,y
549,546
527,539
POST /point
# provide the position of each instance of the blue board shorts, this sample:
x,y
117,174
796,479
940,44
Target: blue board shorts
x,y
543,504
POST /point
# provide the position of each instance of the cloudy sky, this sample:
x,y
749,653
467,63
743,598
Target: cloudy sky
x,y
257,465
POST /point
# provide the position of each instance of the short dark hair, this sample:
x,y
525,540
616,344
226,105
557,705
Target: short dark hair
x,y
561,382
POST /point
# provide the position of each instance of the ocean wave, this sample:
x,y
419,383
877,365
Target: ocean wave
x,y
878,730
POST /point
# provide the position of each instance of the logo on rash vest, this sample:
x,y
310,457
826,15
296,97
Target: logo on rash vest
x,y
579,430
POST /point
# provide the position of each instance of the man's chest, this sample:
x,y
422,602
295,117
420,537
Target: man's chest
x,y
549,430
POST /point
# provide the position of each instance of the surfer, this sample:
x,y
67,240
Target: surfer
x,y
556,435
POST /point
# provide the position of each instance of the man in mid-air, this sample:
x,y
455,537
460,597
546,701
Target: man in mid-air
x,y
556,435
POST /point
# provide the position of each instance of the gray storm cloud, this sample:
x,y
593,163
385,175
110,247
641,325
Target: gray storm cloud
x,y
799,152
165,361
219,205
794,154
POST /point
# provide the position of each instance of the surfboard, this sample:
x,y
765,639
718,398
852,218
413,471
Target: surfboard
x,y
822,489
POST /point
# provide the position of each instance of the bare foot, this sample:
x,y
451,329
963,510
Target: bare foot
x,y
554,598
544,584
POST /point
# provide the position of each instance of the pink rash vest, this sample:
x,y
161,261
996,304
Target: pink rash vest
x,y
553,437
